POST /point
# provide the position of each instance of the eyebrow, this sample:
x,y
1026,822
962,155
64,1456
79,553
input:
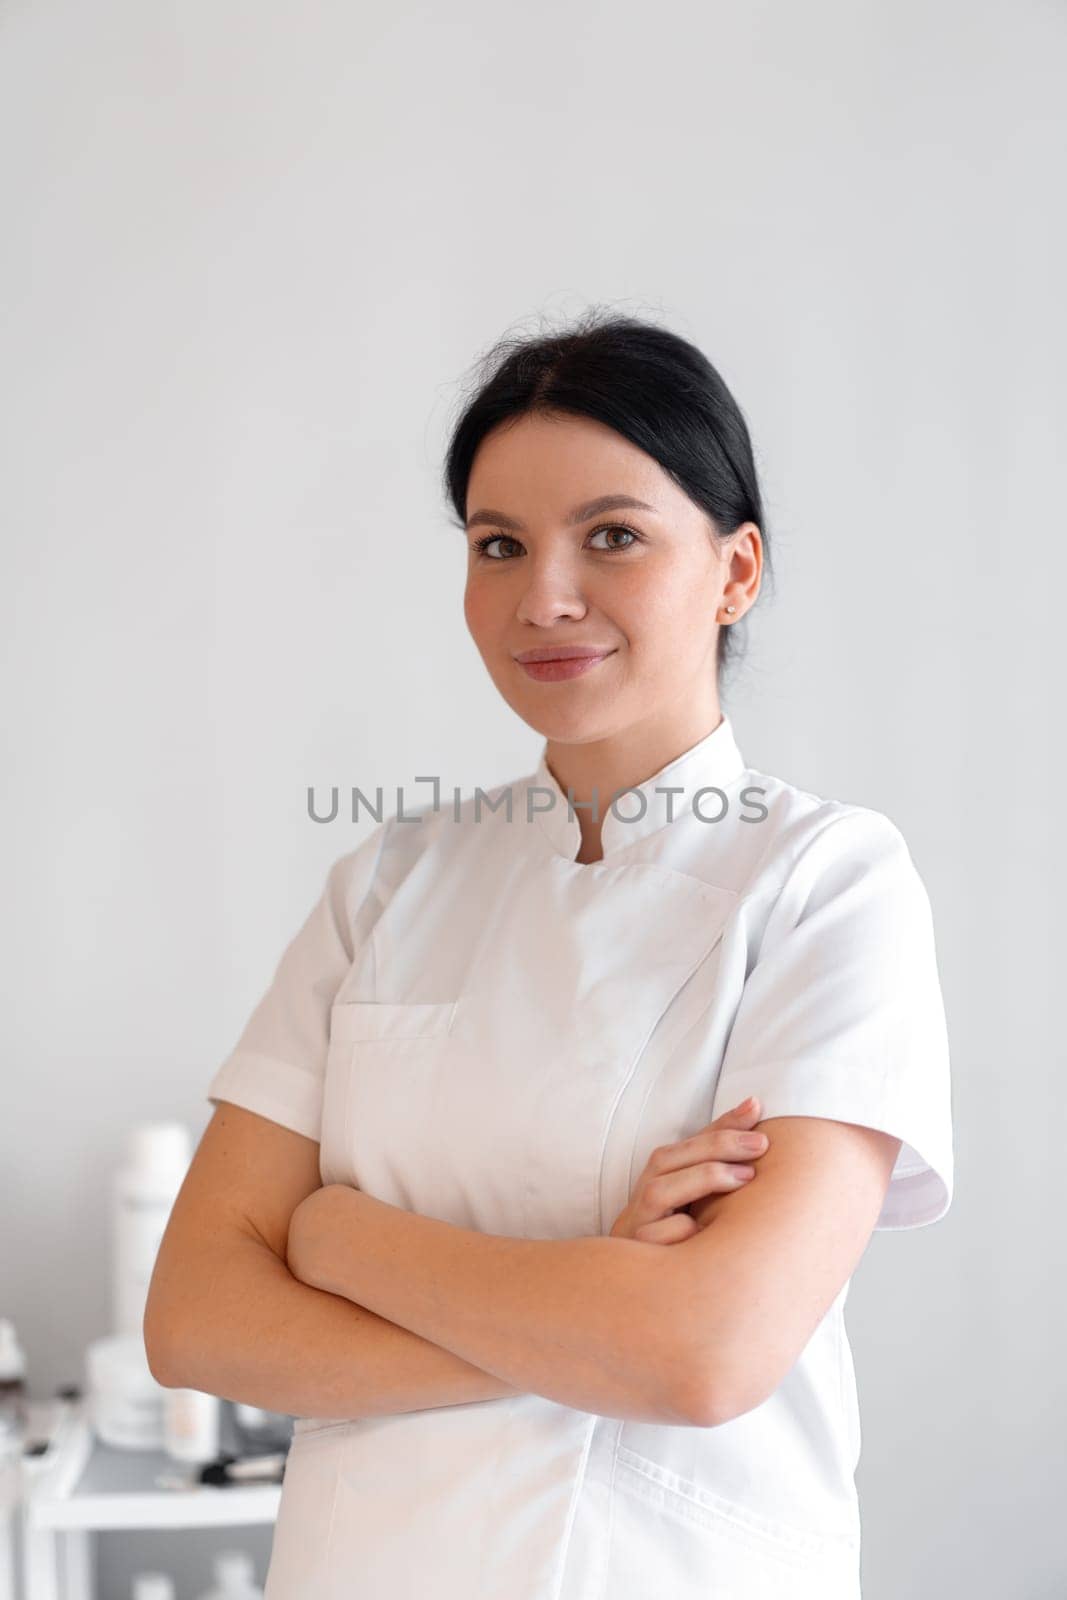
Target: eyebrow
x,y
591,508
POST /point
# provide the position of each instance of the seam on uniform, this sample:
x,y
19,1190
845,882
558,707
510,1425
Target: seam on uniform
x,y
705,1506
333,1509
791,866
635,1064
839,1343
572,1509
609,1532
387,834
372,951
237,1055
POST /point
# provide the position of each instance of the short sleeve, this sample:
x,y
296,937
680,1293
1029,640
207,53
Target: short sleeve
x,y
278,1065
842,1016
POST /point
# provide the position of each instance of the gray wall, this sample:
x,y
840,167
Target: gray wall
x,y
250,251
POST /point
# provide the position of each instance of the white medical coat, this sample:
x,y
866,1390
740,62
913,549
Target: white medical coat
x,y
481,1029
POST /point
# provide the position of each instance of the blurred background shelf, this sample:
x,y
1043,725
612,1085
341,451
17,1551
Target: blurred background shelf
x,y
85,1487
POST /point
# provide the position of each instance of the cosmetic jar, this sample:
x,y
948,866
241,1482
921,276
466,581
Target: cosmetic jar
x,y
126,1404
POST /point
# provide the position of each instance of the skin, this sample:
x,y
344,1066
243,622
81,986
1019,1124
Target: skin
x,y
656,601
753,1271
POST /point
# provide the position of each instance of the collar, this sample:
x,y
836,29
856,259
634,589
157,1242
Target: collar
x,y
713,763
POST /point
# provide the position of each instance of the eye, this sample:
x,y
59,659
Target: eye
x,y
616,527
481,546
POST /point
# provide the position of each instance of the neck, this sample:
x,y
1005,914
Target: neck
x,y
623,760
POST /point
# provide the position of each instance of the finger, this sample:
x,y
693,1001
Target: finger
x,y
719,1140
730,1144
676,1189
739,1116
668,1230
695,1147
664,1192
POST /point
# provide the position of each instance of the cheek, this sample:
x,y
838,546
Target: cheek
x,y
674,603
479,609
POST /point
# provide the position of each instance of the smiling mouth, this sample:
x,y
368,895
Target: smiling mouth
x,y
561,652
558,667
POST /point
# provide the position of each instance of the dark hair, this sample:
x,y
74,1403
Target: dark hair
x,y
652,386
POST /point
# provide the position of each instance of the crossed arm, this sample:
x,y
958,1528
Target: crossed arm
x,y
696,1332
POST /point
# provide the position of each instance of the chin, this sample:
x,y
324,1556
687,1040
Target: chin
x,y
570,726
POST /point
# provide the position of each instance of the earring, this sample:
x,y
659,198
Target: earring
x,y
731,608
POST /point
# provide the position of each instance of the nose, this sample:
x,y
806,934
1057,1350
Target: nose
x,y
550,593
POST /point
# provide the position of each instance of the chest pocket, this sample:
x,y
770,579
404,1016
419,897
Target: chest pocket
x,y
392,1046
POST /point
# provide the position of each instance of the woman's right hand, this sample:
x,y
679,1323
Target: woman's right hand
x,y
712,1161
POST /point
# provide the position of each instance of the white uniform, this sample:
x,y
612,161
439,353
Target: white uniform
x,y
484,1030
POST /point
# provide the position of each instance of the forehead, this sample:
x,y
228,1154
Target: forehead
x,y
542,467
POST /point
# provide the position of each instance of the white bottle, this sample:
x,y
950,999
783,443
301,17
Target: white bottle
x,y
125,1403
153,1586
14,1404
145,1190
13,1395
191,1424
235,1577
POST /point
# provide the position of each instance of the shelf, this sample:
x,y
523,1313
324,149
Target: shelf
x,y
92,1485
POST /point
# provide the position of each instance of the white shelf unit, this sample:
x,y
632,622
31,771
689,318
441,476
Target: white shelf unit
x,y
85,1487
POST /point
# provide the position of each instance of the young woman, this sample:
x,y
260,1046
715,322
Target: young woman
x,y
548,1333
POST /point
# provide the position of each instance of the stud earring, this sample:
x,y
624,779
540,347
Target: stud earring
x,y
731,608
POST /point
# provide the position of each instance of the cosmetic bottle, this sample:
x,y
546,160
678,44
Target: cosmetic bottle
x,y
158,1157
152,1586
191,1424
13,1394
235,1575
14,1427
124,1401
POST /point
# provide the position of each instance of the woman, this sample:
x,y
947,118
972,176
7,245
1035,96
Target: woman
x,y
548,1333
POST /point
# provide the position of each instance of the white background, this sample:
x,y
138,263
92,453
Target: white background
x,y
250,252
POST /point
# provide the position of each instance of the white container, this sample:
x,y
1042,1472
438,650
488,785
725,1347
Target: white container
x,y
153,1586
14,1399
125,1402
14,1413
159,1154
235,1576
191,1424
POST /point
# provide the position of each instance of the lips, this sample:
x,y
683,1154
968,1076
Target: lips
x,y
561,652
544,668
